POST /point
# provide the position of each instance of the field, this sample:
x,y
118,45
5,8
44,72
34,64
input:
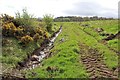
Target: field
x,y
48,39
82,49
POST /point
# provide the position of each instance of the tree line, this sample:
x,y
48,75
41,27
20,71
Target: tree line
x,y
79,19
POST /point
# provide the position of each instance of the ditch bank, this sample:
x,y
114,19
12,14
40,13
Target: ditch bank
x,y
33,60
39,54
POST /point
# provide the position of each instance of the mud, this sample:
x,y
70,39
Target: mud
x,y
94,63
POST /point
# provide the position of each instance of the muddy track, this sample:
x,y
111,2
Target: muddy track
x,y
94,63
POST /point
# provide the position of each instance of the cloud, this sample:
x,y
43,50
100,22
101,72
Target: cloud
x,y
91,9
106,8
119,10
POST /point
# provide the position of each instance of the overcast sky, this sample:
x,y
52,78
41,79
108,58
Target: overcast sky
x,y
105,8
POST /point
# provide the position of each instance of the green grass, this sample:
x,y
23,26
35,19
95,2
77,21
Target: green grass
x,y
109,26
66,54
66,57
110,57
14,52
113,44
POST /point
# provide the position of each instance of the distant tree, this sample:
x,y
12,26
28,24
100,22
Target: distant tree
x,y
79,19
66,19
48,20
95,18
86,19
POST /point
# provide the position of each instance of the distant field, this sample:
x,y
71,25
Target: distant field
x,y
67,55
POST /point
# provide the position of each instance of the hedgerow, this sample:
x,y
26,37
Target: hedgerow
x,y
24,33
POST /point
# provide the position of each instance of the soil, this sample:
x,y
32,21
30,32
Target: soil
x,y
94,63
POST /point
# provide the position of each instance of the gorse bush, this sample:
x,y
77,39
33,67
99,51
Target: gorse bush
x,y
20,31
46,35
8,29
6,18
25,28
26,39
36,37
39,31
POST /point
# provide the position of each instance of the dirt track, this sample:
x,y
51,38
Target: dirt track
x,y
94,63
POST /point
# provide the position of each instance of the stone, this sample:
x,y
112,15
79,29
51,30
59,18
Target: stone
x,y
99,29
62,40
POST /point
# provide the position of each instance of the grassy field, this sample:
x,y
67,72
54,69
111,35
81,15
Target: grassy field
x,y
109,27
66,58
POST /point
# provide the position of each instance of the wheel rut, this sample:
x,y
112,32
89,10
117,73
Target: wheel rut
x,y
104,41
94,63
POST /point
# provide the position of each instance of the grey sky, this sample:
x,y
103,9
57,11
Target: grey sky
x,y
92,9
107,8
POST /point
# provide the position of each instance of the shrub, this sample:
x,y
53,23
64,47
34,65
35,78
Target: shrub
x,y
39,31
48,19
25,19
36,37
26,39
7,18
46,35
19,31
8,29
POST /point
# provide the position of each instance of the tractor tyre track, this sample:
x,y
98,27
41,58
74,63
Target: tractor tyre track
x,y
94,63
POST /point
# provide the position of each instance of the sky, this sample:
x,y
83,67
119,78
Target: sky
x,y
104,8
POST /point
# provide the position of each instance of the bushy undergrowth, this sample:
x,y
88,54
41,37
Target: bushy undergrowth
x,y
48,20
20,36
25,19
21,32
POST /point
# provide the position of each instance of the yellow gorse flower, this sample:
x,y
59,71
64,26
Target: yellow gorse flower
x,y
26,39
